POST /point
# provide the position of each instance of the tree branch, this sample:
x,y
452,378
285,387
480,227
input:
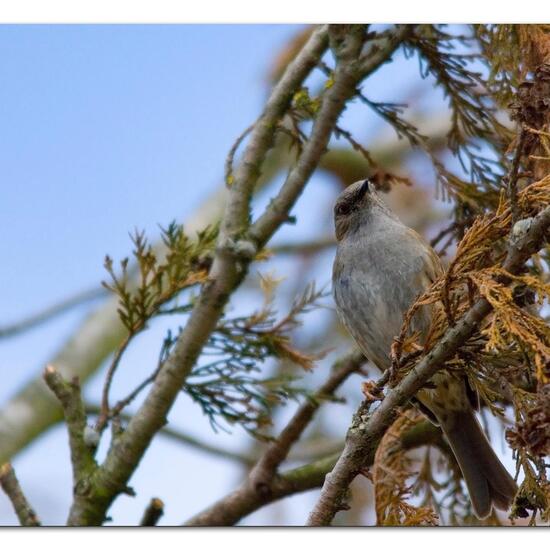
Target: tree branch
x,y
245,500
278,449
51,312
349,72
68,393
152,513
261,479
304,247
9,483
365,433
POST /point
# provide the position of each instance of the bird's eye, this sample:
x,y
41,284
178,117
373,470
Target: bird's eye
x,y
343,209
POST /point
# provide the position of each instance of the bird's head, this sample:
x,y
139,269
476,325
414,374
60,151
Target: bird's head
x,y
355,206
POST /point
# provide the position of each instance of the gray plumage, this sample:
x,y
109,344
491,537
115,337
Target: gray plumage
x,y
381,267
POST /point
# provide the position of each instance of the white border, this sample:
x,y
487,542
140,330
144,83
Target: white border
x,y
262,11
273,538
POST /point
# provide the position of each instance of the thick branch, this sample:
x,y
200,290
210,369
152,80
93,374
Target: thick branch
x,y
365,434
9,483
263,480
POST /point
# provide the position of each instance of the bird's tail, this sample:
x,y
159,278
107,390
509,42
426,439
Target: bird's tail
x,y
487,480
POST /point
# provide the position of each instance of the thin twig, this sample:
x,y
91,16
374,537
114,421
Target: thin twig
x,y
305,248
365,432
105,411
512,178
9,483
51,312
231,155
278,449
182,437
120,405
244,500
152,513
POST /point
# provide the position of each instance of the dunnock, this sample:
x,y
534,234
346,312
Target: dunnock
x,y
381,267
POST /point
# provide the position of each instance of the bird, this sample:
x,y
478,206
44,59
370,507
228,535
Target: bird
x,y
380,268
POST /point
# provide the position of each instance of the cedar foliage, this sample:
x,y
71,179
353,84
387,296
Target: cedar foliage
x,y
507,363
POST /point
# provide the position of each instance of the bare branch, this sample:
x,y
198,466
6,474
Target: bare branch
x,y
261,481
51,312
278,449
365,433
231,155
105,409
181,437
304,248
9,483
68,393
152,513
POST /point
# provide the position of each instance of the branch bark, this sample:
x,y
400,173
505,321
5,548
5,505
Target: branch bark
x,y
245,500
278,449
68,393
153,513
365,433
263,479
9,483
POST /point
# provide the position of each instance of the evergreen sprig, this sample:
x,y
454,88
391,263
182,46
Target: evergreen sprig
x,y
231,389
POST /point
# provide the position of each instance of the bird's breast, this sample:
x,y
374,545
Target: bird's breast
x,y
373,289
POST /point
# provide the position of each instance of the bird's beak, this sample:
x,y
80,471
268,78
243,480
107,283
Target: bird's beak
x,y
364,189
